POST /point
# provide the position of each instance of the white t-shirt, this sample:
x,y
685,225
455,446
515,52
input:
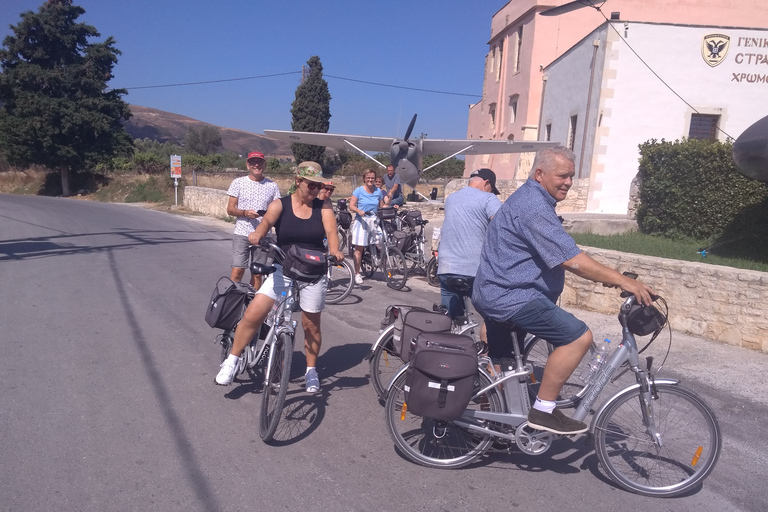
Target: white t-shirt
x,y
252,195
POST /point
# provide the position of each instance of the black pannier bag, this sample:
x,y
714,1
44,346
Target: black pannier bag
x,y
440,379
403,241
395,314
306,265
387,212
345,219
415,322
227,304
413,218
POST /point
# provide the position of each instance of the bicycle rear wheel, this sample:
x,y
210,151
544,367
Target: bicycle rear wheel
x,y
431,271
395,271
340,282
342,238
276,386
437,443
384,365
536,352
689,435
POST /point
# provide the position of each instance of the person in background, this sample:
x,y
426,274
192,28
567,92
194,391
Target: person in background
x,y
467,214
394,187
303,219
522,274
327,191
364,203
248,196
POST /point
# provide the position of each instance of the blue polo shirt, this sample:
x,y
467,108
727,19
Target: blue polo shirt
x,y
524,248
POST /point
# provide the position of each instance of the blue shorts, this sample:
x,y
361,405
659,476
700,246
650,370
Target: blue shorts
x,y
453,301
539,317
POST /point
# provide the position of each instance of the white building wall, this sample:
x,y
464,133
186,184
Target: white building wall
x,y
636,106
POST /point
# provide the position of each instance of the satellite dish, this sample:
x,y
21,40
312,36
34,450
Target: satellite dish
x,y
750,151
572,6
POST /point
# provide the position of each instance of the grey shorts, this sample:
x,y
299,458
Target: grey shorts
x,y
241,252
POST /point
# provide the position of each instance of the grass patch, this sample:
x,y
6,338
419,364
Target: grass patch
x,y
649,245
146,192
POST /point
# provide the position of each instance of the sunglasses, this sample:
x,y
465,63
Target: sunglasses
x,y
329,189
311,185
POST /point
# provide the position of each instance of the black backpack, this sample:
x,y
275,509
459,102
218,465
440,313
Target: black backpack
x,y
441,377
228,303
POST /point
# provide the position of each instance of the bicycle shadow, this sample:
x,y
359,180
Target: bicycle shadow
x,y
349,300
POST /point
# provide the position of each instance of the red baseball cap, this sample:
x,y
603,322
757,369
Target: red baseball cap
x,y
255,154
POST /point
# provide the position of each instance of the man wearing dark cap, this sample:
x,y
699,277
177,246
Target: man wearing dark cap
x,y
247,197
467,215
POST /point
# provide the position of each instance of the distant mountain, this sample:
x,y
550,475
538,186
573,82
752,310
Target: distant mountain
x,y
151,123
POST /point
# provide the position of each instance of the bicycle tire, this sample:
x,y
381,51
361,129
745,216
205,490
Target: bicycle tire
x,y
273,394
395,270
687,427
536,352
366,265
342,238
431,271
439,444
340,282
384,365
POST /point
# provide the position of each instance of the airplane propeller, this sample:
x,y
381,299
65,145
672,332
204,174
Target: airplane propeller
x,y
750,151
406,157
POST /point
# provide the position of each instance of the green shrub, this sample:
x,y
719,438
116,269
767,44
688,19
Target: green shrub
x,y
149,191
691,188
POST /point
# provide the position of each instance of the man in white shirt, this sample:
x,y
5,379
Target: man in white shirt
x,y
248,196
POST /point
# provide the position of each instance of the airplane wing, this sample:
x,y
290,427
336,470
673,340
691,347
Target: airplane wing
x,y
333,140
428,146
481,146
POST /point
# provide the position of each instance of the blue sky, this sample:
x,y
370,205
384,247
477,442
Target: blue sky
x,y
424,44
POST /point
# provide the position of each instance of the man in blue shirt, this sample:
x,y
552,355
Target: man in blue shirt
x,y
522,274
394,187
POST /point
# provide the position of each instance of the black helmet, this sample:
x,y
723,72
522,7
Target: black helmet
x,y
645,320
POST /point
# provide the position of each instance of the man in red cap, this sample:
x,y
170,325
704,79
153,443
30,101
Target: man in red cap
x,y
248,196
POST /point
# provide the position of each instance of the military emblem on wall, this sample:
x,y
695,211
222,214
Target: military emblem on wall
x,y
714,48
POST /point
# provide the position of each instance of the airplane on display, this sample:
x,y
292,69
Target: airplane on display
x,y
406,153
750,151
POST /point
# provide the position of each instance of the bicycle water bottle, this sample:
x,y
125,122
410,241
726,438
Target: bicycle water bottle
x,y
602,350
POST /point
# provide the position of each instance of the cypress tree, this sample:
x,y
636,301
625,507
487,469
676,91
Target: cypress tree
x,y
311,111
55,108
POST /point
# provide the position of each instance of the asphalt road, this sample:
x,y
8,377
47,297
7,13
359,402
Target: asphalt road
x,y
108,401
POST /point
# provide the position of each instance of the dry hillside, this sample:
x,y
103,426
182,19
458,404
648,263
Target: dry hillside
x,y
164,126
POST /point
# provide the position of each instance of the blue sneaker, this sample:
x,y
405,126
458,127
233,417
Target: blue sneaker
x,y
313,381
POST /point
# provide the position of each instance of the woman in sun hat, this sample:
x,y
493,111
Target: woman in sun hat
x,y
303,219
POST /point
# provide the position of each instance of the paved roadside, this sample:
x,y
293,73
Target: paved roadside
x,y
743,372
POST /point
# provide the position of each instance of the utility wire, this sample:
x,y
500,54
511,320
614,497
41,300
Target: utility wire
x,y
651,69
299,72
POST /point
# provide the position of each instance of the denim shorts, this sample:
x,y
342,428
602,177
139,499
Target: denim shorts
x,y
539,317
453,301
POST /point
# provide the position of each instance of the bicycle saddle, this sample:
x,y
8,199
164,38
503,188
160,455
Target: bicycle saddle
x,y
261,269
458,285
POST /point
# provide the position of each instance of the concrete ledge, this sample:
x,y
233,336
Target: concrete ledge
x,y
598,223
719,303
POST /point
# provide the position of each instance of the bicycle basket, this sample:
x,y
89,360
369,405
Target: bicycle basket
x,y
413,218
386,213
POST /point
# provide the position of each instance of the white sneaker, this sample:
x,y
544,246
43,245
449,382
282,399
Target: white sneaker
x,y
313,381
227,372
358,279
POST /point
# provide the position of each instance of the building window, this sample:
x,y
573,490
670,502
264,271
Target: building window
x,y
548,132
703,126
513,108
518,49
492,114
572,132
501,57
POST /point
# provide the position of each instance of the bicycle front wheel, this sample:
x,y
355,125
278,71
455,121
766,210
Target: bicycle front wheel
x,y
438,443
384,365
536,352
395,270
431,271
340,282
275,386
688,446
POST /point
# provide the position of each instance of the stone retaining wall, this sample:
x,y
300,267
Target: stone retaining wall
x,y
209,201
715,302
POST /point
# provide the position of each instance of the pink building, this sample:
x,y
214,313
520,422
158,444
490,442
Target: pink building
x,y
523,42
